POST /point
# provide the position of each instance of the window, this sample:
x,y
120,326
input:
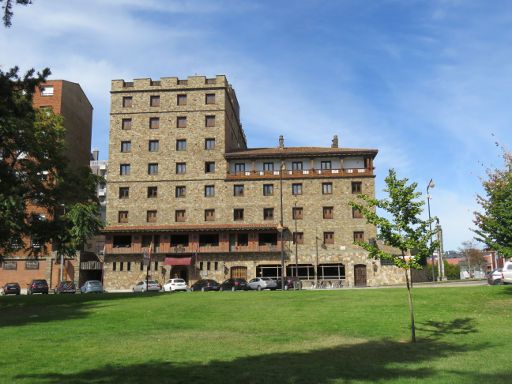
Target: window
x,y
325,165
328,237
298,237
141,265
358,236
121,266
209,144
269,167
297,166
268,189
122,217
152,192
209,121
181,168
239,167
356,187
154,122
114,266
181,191
181,99
155,266
328,212
216,265
356,213
126,124
242,239
209,167
326,188
297,189
181,145
208,265
238,190
153,169
181,122
154,101
128,266
124,192
179,215
47,91
127,101
209,190
124,169
126,146
209,215
238,214
153,146
210,98
268,213
297,213
151,217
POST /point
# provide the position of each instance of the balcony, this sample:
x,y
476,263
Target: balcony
x,y
300,174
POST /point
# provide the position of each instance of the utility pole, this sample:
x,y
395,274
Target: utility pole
x,y
441,250
431,185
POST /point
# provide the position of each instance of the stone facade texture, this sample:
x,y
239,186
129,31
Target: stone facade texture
x,y
235,165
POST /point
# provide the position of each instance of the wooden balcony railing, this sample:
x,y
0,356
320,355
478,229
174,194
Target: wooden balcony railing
x,y
299,174
193,248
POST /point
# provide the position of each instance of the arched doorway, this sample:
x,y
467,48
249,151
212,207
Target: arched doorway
x,y
360,275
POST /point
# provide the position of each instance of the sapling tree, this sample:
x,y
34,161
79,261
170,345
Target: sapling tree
x,y
400,228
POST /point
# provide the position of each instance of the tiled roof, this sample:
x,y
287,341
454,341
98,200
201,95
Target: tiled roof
x,y
189,227
300,151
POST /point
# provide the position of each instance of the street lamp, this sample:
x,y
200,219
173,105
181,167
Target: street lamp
x,y
296,244
431,185
280,227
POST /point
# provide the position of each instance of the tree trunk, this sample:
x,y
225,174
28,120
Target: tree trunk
x,y
411,308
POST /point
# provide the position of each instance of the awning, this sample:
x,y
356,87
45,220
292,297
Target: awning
x,y
178,261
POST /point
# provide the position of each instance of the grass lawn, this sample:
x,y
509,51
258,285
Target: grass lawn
x,y
344,336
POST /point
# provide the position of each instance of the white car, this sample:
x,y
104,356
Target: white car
x,y
260,283
175,285
506,273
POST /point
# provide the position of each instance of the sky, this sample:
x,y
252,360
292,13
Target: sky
x,y
427,83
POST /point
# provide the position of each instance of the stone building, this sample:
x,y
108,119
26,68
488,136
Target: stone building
x,y
33,261
183,182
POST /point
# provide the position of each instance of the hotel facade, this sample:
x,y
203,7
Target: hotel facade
x,y
183,182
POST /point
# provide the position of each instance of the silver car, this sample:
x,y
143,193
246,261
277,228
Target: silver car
x,y
92,286
153,286
260,283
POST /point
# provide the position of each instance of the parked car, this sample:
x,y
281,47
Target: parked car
x,y
152,286
494,277
175,285
237,284
290,282
506,273
11,289
260,283
205,285
92,286
65,287
38,286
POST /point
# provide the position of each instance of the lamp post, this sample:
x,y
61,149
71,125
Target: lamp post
x,y
296,246
280,227
316,261
431,185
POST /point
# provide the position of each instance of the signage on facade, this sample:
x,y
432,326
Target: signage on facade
x,y
31,264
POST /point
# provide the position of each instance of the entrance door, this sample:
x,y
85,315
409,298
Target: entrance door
x,y
360,275
180,272
239,272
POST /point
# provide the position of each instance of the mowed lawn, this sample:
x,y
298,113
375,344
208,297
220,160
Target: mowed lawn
x,y
342,336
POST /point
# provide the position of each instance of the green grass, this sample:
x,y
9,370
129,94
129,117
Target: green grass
x,y
344,336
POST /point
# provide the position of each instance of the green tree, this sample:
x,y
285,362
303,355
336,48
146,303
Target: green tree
x,y
494,223
7,7
473,256
401,229
40,196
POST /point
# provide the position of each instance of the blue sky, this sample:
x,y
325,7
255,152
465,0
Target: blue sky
x,y
428,83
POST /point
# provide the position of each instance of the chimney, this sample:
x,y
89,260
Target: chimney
x,y
334,142
281,142
95,154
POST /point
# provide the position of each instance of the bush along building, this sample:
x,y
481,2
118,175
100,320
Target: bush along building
x,y
184,187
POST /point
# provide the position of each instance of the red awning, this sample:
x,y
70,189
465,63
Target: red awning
x,y
178,261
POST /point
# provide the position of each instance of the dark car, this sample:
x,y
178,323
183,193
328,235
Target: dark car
x,y
38,286
11,289
237,284
205,285
290,282
65,287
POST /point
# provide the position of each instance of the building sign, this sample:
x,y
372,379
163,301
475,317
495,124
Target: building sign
x,y
31,264
11,265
